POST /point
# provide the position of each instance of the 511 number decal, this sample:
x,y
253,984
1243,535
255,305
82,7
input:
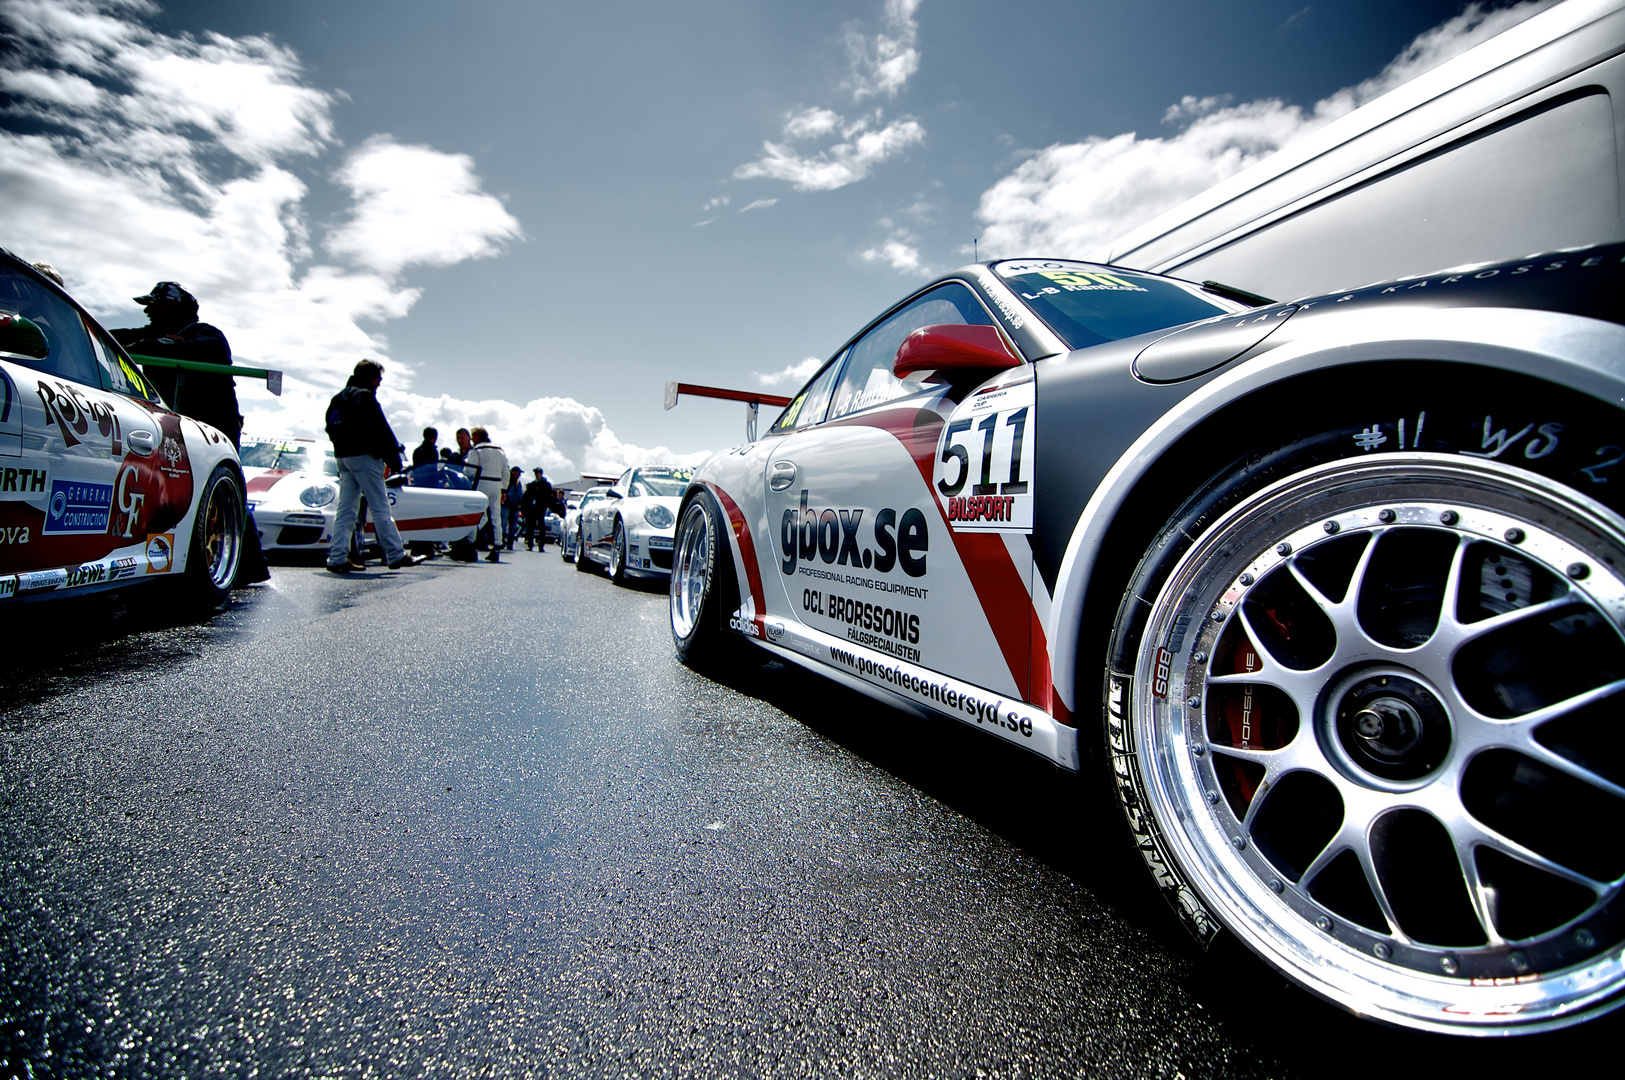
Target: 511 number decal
x,y
984,467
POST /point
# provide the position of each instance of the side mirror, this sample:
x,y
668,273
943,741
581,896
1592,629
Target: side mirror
x,y
955,352
23,337
614,493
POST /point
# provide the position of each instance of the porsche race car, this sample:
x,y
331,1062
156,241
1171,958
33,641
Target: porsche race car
x,y
1329,595
101,485
629,530
295,510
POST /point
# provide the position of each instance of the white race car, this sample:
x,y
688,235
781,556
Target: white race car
x,y
630,529
294,511
570,543
101,485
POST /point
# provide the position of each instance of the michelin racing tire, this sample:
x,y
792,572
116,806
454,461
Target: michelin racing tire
x,y
584,561
1365,715
704,588
217,540
617,554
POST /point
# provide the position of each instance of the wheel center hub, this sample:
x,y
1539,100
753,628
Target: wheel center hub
x,y
1392,726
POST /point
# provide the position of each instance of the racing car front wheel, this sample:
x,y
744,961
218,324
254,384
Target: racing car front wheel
x,y
217,540
1369,718
703,586
617,554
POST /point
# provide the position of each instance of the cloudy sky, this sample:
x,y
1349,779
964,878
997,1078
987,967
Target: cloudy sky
x,y
536,213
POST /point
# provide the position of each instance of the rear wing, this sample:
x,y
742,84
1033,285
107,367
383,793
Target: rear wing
x,y
753,401
273,378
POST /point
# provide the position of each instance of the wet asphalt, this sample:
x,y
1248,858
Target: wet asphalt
x,y
474,820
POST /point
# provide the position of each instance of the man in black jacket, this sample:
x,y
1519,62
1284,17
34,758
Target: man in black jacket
x,y
173,332
537,501
366,449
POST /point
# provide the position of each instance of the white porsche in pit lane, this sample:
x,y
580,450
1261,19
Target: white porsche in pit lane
x,y
294,511
630,530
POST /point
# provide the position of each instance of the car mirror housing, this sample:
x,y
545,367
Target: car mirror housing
x,y
23,337
954,352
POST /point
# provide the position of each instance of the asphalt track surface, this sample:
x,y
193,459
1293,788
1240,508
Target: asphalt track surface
x,y
474,820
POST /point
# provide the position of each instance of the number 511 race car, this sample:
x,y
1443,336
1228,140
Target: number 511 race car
x,y
1330,593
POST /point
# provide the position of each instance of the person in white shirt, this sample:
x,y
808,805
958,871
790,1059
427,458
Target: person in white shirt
x,y
487,466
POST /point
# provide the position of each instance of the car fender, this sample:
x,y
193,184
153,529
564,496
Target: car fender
x,y
1583,354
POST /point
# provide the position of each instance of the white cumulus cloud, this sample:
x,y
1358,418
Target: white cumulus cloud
x,y
791,375
143,156
882,64
840,164
415,205
1070,198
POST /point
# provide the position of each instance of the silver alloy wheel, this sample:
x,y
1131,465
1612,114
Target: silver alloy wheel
x,y
1375,712
223,530
690,570
617,552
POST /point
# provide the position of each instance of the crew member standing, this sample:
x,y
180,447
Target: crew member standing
x,y
366,449
486,465
537,501
511,496
173,332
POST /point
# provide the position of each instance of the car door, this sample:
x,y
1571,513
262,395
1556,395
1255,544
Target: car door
x,y
865,554
66,501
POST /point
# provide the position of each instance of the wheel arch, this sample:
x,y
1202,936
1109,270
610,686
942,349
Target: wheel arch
x,y
1174,456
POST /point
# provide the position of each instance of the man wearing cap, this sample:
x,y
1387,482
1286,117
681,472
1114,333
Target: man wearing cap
x,y
173,332
537,500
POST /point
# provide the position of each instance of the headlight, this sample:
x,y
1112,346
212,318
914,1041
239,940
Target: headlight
x,y
317,495
658,517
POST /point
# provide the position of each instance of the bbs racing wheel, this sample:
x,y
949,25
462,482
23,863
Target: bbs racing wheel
x,y
1373,727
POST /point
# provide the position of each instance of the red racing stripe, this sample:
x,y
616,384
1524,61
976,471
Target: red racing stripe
x,y
1003,594
414,524
747,552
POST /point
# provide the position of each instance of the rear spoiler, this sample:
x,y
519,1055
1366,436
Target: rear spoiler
x,y
752,400
272,377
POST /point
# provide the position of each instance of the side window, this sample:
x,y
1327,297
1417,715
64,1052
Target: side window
x,y
807,408
117,373
44,331
868,379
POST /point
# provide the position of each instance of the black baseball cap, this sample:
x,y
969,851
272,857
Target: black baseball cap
x,y
167,290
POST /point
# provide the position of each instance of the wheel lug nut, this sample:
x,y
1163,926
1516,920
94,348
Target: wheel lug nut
x,y
1513,536
1213,797
1382,950
1448,965
1578,571
1386,516
1332,527
1283,548
1584,938
1449,517
1247,579
1519,962
1276,886
1198,749
1200,658
1324,923
1238,842
1218,616
1193,701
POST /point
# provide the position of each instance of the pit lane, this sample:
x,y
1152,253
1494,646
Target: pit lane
x,y
476,820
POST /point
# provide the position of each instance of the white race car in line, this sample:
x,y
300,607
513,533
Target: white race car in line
x,y
630,529
294,507
570,540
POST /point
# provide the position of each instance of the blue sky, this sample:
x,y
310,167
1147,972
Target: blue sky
x,y
537,213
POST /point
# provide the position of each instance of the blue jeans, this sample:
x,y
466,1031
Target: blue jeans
x,y
361,475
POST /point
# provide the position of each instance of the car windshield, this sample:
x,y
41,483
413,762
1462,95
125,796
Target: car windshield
x,y
290,457
1087,304
437,474
670,482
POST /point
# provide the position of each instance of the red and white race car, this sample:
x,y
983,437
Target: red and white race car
x,y
101,485
293,489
